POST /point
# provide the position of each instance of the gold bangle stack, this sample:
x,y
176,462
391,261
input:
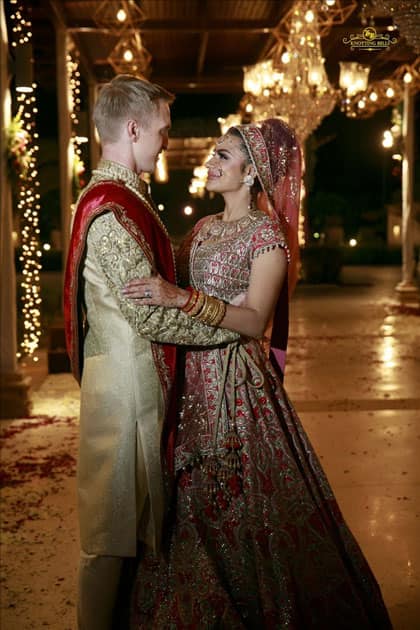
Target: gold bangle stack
x,y
213,311
207,309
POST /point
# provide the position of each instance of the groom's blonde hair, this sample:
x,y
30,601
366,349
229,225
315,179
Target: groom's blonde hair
x,y
126,96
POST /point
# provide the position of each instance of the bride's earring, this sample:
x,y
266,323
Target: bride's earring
x,y
248,180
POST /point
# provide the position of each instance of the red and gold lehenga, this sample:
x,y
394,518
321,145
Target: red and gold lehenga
x,y
256,538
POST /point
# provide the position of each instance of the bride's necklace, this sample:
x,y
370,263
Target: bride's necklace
x,y
220,228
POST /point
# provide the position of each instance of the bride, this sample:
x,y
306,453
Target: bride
x,y
255,538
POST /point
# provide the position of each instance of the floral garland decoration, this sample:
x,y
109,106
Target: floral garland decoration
x,y
19,148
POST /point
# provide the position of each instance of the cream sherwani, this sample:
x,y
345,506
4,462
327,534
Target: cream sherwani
x,y
122,406
120,484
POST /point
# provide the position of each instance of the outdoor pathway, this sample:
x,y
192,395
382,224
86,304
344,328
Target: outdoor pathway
x,y
353,374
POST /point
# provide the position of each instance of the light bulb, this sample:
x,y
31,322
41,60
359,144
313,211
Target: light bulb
x,y
121,15
128,55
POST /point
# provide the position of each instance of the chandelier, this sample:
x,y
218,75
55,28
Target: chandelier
x,y
123,19
406,17
130,56
361,101
353,80
292,84
118,15
230,121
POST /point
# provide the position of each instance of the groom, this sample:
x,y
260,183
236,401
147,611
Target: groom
x,y
126,377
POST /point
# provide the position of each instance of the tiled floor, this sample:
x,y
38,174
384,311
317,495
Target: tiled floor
x,y
354,376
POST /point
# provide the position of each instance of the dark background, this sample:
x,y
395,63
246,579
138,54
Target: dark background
x,y
350,177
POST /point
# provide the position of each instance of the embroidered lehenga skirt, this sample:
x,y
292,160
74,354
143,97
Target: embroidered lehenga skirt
x,y
256,539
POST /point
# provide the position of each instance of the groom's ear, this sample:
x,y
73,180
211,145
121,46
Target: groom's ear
x,y
133,130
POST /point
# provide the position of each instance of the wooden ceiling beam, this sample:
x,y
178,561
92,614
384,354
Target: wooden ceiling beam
x,y
190,26
60,23
202,53
204,84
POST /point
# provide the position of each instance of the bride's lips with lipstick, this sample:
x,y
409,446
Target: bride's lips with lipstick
x,y
214,174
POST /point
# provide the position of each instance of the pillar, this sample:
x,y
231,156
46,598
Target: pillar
x,y
407,290
93,139
14,387
64,137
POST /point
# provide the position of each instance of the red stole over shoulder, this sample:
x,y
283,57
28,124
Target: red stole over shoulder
x,y
141,223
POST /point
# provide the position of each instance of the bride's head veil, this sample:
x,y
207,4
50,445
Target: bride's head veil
x,y
275,154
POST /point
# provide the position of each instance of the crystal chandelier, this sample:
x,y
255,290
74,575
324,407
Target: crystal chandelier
x,y
293,84
361,102
406,17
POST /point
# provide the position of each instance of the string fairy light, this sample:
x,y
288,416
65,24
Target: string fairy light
x,y
21,27
28,200
74,107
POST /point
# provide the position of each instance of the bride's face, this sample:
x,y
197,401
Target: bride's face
x,y
226,167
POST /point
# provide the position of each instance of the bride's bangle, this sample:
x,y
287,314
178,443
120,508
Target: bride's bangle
x,y
213,311
197,304
192,299
206,308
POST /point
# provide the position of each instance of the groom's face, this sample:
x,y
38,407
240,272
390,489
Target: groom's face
x,y
153,138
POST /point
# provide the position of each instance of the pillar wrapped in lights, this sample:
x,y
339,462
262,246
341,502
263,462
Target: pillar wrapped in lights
x,y
29,207
408,289
14,385
77,119
28,189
